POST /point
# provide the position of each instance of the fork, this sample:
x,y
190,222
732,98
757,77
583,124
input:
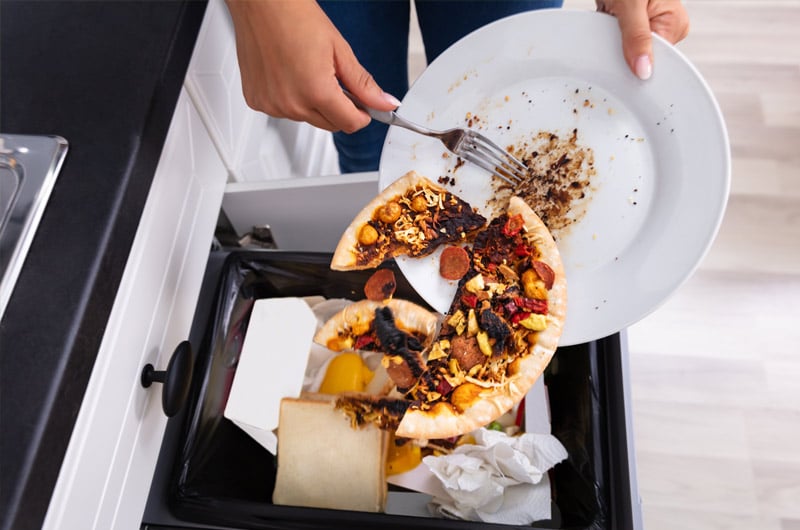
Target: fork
x,y
464,143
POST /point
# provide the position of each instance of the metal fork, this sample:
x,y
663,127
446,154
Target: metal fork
x,y
465,143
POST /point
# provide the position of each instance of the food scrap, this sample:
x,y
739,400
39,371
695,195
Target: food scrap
x,y
503,305
346,373
381,285
403,455
454,263
560,174
412,217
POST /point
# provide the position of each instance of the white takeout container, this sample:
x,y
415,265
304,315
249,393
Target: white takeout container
x,y
271,366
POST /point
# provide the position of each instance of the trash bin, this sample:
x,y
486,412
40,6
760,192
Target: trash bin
x,y
211,474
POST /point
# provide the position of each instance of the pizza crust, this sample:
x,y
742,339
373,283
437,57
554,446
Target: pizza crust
x,y
344,257
408,316
557,296
445,421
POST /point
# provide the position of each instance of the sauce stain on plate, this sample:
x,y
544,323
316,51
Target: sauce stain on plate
x,y
560,179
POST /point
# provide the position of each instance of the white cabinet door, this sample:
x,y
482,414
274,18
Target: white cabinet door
x,y
108,467
254,147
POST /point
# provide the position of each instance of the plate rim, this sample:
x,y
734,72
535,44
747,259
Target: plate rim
x,y
660,46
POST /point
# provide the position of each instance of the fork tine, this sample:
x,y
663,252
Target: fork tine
x,y
503,158
466,143
484,141
470,156
501,164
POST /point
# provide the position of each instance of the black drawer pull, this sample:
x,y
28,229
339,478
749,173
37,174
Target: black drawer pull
x,y
176,378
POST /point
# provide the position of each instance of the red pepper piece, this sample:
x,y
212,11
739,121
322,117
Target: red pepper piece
x,y
532,305
363,341
520,419
518,316
513,225
444,388
522,250
470,300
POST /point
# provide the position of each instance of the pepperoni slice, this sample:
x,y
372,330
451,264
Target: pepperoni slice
x,y
454,263
381,285
545,273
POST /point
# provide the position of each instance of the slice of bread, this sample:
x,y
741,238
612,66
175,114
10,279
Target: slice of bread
x,y
323,462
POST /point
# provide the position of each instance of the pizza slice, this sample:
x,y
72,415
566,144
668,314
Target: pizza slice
x,y
413,216
399,329
496,340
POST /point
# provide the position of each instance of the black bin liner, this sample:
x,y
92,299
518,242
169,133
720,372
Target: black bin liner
x,y
220,476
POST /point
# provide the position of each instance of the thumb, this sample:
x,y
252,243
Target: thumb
x,y
637,41
357,80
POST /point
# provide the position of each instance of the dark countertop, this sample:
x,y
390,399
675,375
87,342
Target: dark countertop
x,y
106,77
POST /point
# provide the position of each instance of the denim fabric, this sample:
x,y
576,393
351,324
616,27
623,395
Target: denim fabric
x,y
377,30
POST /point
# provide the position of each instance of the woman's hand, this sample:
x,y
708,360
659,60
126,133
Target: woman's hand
x,y
292,61
637,19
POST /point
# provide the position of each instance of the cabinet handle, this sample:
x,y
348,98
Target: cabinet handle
x,y
176,378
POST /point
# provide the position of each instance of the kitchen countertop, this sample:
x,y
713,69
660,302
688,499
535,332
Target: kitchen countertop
x,y
106,77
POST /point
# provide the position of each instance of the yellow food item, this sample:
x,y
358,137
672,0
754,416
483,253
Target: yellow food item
x,y
466,439
535,322
419,203
484,344
472,324
533,286
367,235
465,395
390,212
340,343
402,458
439,350
457,321
346,373
475,284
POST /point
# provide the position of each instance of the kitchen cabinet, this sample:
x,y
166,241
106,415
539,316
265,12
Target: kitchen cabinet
x,y
109,463
254,147
106,77
213,138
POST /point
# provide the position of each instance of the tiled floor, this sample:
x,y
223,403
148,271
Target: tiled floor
x,y
716,370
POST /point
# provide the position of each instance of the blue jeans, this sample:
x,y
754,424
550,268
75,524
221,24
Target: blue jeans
x,y
377,30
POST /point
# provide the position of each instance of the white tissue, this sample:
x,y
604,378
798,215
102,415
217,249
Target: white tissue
x,y
499,479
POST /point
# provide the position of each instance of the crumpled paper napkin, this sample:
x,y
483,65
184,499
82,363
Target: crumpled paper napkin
x,y
500,479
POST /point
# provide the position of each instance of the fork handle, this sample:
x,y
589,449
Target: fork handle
x,y
384,116
388,117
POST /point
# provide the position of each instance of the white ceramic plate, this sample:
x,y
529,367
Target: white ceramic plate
x,y
660,147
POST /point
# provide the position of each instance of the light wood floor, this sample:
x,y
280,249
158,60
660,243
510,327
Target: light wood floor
x,y
716,370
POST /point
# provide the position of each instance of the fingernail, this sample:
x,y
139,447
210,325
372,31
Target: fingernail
x,y
391,99
643,67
